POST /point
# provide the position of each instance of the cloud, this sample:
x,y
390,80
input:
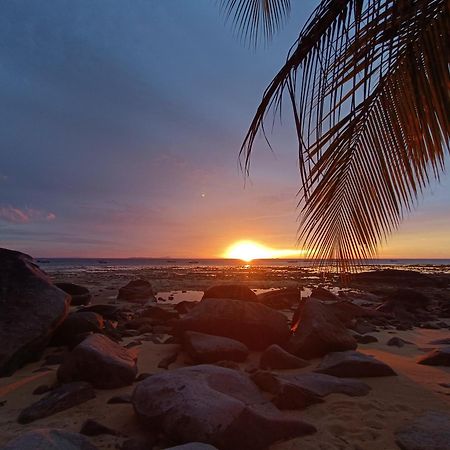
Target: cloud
x,y
14,215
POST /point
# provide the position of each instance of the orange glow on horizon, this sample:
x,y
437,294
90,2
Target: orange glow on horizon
x,y
249,250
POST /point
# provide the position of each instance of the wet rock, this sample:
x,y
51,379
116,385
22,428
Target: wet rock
x,y
233,291
50,439
365,339
437,357
274,357
323,294
430,431
100,361
80,295
280,298
136,291
254,324
214,405
119,399
31,308
397,342
91,427
318,331
59,399
75,325
205,348
351,364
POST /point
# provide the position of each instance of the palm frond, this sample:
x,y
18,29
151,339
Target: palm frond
x,y
256,19
368,83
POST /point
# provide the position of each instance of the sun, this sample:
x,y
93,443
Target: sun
x,y
247,251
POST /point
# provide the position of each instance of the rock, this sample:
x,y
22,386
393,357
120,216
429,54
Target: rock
x,y
119,399
397,342
404,299
363,327
323,294
99,361
42,389
142,376
59,399
159,314
365,339
280,298
91,427
430,431
274,357
193,446
139,443
31,308
80,295
444,341
234,291
297,391
394,277
50,439
184,306
437,357
168,360
352,364
254,324
205,348
214,405
54,360
318,331
110,312
136,291
77,324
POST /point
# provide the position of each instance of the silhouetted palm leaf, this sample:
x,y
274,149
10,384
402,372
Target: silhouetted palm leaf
x,y
368,83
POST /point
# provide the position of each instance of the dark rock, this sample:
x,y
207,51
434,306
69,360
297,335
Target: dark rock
x,y
91,427
193,446
168,360
143,376
444,341
42,389
254,324
323,294
110,312
363,327
184,306
205,348
430,431
405,300
394,277
80,295
53,360
351,364
280,298
136,291
365,339
133,344
437,357
318,331
228,365
50,439
59,399
397,342
159,314
31,308
119,399
100,361
139,443
274,357
430,326
77,324
214,405
297,391
233,291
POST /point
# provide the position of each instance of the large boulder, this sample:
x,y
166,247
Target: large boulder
x,y
437,357
80,294
136,291
430,431
100,361
394,277
214,405
59,399
297,391
352,364
274,357
76,324
254,324
234,291
324,294
50,439
318,331
404,300
205,348
281,298
31,308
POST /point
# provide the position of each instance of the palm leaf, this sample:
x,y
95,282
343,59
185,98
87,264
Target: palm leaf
x,y
368,83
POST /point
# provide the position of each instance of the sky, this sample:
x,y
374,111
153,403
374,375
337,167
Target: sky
x,y
121,124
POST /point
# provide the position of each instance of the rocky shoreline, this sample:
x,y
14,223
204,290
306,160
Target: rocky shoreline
x,y
108,361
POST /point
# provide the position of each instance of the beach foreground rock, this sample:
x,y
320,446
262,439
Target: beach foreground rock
x,y
437,357
100,361
274,357
256,325
31,308
430,431
80,294
136,291
352,364
214,405
234,291
50,439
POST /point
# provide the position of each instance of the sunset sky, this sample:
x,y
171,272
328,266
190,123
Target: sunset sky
x,y
121,125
